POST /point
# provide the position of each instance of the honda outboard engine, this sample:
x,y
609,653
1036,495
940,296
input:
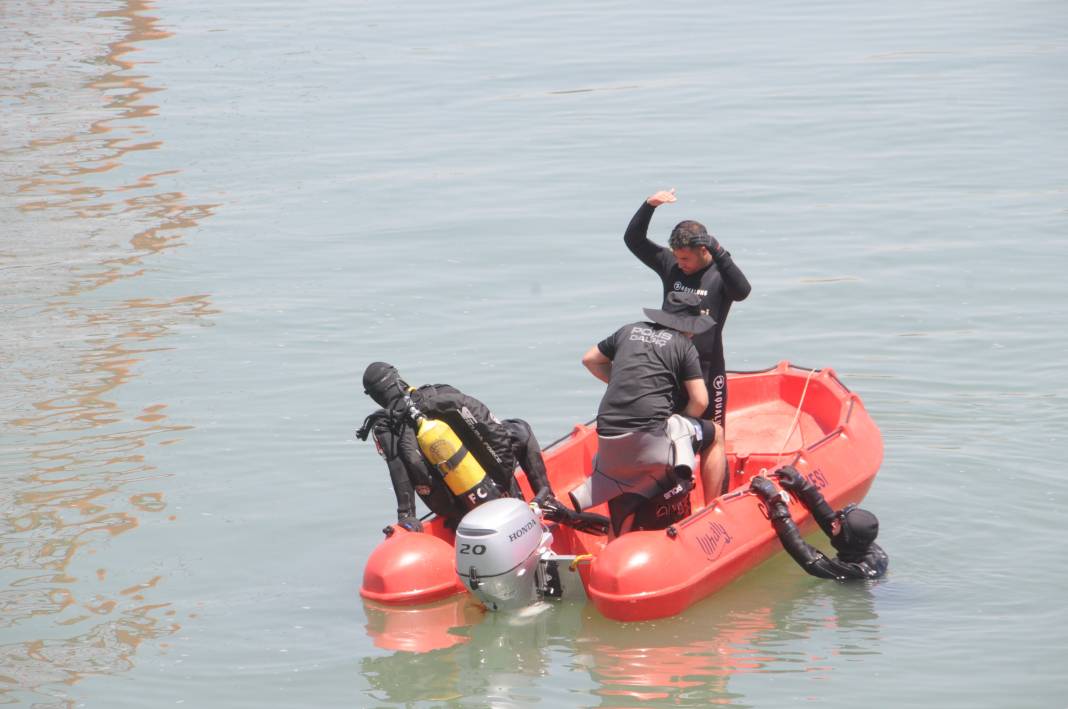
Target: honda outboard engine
x,y
499,546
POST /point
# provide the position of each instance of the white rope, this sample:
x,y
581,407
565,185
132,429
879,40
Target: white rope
x,y
797,418
790,431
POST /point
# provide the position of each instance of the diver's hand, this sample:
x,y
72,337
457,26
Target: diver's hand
x,y
715,248
763,487
790,478
662,197
555,511
591,523
412,524
588,522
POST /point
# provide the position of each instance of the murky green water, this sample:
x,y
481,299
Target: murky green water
x,y
214,215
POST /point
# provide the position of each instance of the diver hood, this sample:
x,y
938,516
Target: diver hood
x,y
382,382
859,529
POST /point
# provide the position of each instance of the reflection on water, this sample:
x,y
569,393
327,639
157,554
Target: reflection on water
x,y
107,647
80,472
687,660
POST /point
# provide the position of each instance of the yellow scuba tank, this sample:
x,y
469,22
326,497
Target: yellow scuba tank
x,y
462,473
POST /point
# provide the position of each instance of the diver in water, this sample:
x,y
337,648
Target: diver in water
x,y
851,529
497,445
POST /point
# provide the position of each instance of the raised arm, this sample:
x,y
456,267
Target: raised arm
x,y
808,557
636,236
791,479
735,283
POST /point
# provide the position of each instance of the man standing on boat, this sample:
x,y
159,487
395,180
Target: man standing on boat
x,y
851,529
694,262
645,459
495,444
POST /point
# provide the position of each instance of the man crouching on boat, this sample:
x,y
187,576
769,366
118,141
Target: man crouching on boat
x,y
851,529
645,459
496,446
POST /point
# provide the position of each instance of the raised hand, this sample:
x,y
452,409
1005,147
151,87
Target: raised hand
x,y
662,197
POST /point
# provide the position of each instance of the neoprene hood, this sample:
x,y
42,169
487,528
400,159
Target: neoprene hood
x,y
382,382
859,529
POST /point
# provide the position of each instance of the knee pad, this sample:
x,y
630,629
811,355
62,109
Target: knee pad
x,y
681,433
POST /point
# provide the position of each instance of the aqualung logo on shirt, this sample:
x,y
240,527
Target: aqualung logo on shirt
x,y
686,289
650,335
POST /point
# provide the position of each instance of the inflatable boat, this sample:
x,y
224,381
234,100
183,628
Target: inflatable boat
x,y
783,415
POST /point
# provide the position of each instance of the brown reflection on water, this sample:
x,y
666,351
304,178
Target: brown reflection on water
x,y
117,338
106,648
83,469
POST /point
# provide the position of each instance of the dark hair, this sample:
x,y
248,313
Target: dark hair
x,y
689,235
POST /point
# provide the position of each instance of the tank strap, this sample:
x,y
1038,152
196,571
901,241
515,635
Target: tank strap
x,y
455,458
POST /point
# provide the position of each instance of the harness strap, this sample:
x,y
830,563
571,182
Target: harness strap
x,y
455,459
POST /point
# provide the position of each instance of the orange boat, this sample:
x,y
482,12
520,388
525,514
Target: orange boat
x,y
787,414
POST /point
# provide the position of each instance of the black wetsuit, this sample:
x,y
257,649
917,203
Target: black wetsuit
x,y
497,446
871,564
719,284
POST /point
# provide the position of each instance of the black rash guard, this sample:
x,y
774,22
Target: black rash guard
x,y
719,284
497,445
869,565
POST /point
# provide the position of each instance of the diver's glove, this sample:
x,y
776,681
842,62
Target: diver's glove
x,y
715,248
774,498
412,524
555,511
591,523
791,479
811,497
588,522
763,487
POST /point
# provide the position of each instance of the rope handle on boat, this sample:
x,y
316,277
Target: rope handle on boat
x,y
793,425
763,472
578,560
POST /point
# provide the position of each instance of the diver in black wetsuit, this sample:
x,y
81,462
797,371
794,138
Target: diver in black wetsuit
x,y
497,445
694,263
852,530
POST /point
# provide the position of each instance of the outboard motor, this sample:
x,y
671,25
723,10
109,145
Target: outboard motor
x,y
503,555
499,546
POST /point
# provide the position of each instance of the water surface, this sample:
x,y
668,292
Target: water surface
x,y
214,216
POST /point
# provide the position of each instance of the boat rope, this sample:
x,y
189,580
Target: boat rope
x,y
790,431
